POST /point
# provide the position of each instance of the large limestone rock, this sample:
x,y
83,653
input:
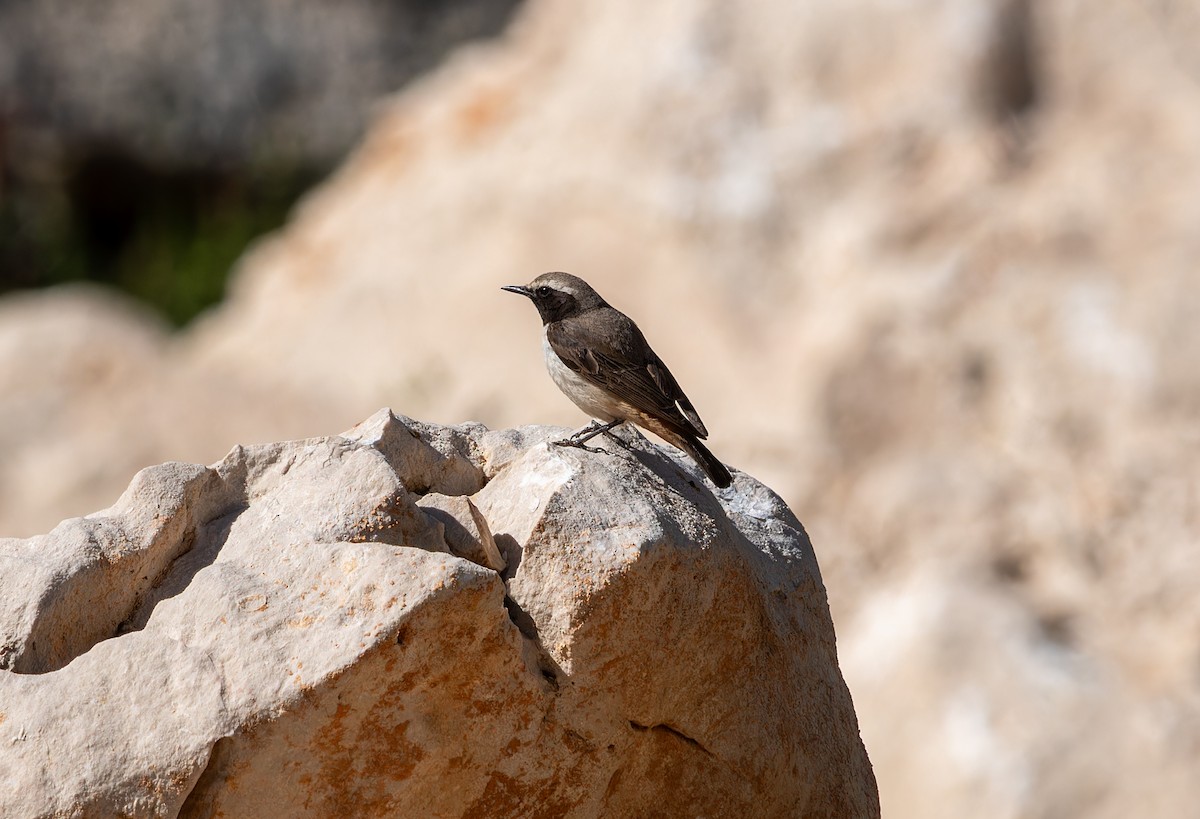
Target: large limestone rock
x,y
287,633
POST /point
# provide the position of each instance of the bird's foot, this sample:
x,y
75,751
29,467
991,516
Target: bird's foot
x,y
583,446
580,438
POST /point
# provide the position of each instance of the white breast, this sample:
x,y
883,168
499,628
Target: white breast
x,y
589,398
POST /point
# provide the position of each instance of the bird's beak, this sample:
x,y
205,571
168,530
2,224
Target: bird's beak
x,y
520,290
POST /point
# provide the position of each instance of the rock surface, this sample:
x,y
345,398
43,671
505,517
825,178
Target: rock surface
x,y
286,633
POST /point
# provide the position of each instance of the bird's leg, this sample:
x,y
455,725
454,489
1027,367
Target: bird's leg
x,y
593,429
580,438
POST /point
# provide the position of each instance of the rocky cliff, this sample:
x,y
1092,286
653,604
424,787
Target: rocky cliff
x,y
416,620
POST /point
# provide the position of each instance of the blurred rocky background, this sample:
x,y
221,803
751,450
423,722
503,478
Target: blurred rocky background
x,y
928,268
143,144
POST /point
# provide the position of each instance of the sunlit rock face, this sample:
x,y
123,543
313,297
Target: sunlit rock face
x,y
293,631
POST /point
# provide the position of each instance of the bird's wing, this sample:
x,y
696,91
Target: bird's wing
x,y
624,365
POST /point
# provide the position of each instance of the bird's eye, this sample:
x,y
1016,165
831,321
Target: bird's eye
x,y
543,291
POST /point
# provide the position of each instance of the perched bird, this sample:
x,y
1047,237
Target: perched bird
x,y
599,358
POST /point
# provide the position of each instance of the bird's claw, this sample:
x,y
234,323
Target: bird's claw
x,y
584,447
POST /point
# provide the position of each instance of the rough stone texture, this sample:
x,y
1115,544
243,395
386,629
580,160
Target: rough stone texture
x,y
953,322
286,633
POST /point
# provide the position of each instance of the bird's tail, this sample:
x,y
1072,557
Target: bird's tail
x,y
714,469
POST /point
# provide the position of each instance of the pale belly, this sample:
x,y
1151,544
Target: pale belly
x,y
589,398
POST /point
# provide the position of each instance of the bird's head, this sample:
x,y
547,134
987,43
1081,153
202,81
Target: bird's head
x,y
559,295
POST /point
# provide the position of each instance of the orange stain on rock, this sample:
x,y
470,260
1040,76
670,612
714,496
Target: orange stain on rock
x,y
482,112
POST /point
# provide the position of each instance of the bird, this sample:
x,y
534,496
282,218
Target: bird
x,y
600,360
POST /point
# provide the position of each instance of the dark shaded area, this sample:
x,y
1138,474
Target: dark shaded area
x,y
1010,78
201,799
550,670
146,149
1058,628
1011,82
204,547
167,235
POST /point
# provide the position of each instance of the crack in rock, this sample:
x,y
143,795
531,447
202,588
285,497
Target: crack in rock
x,y
671,731
525,624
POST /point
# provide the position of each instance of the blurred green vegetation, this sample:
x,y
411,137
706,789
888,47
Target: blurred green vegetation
x,y
166,237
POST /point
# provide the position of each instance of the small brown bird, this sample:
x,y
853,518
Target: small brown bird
x,y
599,358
